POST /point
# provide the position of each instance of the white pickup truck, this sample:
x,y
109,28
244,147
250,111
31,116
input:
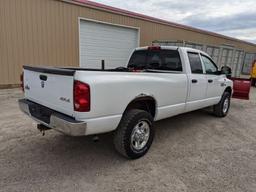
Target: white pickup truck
x,y
158,82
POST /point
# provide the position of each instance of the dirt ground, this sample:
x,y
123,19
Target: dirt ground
x,y
191,152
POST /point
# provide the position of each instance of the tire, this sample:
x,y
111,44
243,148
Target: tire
x,y
128,135
222,108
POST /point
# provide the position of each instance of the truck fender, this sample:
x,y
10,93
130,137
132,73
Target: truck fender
x,y
145,102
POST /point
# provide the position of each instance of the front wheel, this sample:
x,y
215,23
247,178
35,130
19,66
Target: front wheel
x,y
222,108
134,134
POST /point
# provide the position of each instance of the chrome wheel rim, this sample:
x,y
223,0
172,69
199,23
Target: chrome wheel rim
x,y
226,105
140,135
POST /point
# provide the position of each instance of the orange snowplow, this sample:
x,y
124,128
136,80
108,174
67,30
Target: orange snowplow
x,y
253,73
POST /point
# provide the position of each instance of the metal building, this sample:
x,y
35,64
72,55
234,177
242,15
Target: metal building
x,y
82,33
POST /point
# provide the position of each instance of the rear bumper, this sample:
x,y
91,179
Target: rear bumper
x,y
53,119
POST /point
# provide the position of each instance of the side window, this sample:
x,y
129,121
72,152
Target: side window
x,y
210,67
195,63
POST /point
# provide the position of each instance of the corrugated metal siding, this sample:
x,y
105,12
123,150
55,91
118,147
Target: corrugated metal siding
x,y
45,32
36,32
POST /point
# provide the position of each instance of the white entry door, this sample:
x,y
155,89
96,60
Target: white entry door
x,y
111,43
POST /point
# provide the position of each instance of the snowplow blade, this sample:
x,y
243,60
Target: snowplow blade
x,y
241,88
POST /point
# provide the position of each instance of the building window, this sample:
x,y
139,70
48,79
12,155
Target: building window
x,y
214,52
226,57
238,62
248,59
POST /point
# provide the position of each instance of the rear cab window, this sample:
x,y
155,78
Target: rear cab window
x,y
167,60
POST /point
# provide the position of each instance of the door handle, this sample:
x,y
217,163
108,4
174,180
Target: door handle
x,y
194,81
43,77
210,80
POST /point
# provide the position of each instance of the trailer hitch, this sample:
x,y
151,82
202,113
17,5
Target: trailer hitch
x,y
42,128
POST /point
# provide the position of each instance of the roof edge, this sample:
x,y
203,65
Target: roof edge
x,y
119,11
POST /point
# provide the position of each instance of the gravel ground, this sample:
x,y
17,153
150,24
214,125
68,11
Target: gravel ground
x,y
191,152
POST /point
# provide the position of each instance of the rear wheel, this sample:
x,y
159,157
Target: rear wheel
x,y
134,134
222,108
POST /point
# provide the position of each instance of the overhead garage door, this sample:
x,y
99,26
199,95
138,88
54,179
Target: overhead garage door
x,y
99,41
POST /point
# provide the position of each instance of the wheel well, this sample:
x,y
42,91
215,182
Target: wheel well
x,y
144,103
229,90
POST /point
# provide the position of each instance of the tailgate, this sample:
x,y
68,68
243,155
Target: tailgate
x,y
50,87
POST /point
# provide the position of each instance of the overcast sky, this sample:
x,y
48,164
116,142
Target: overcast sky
x,y
236,18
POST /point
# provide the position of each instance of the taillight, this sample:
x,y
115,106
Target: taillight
x,y
154,48
81,96
22,81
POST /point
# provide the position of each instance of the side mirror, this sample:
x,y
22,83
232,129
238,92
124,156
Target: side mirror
x,y
227,71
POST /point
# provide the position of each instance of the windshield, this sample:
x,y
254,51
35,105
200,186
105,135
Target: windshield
x,y
156,59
